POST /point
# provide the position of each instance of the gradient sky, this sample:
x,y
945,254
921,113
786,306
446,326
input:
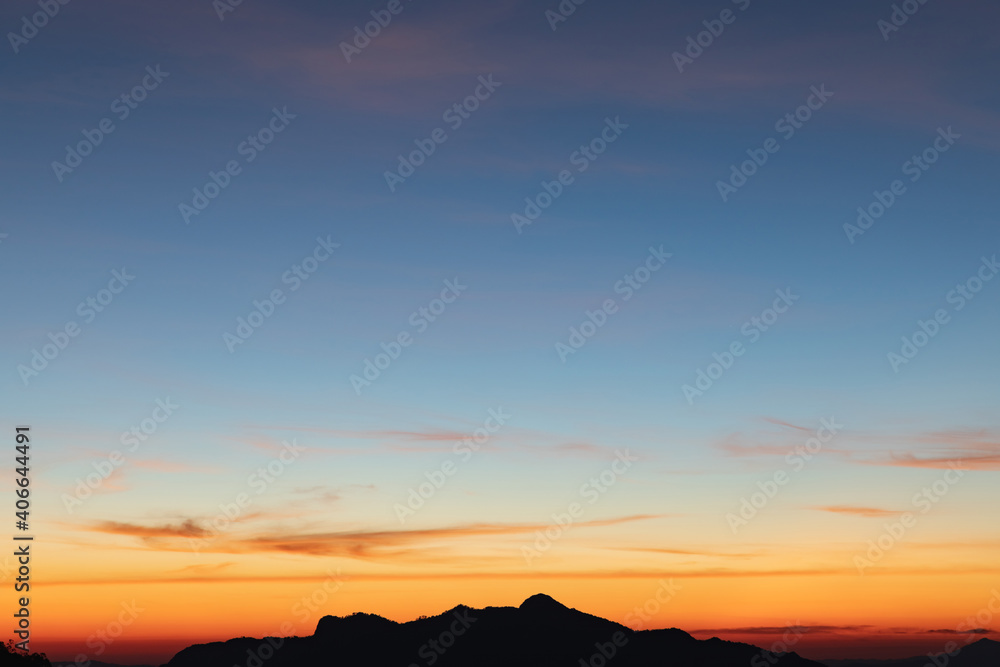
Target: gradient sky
x,y
331,510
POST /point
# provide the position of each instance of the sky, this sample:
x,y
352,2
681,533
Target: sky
x,y
681,313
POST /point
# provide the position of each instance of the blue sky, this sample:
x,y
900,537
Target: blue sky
x,y
656,185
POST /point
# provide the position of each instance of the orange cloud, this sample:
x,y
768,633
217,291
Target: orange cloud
x,y
350,544
686,552
963,460
187,528
869,512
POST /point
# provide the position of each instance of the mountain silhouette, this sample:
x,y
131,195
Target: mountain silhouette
x,y
541,632
979,654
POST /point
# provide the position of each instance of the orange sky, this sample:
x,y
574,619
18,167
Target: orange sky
x,y
181,597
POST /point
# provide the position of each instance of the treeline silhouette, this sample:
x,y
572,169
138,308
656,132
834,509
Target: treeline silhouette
x,y
13,657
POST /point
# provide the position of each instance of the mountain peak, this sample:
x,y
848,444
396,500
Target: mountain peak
x,y
984,644
542,603
355,623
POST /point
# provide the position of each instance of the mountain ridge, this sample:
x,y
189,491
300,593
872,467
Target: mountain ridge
x,y
981,653
540,632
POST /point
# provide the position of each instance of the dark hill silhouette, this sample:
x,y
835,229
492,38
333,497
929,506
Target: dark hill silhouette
x,y
539,633
12,657
978,654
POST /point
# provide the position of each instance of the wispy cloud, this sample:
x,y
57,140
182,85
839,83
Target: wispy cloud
x,y
186,528
543,575
971,449
391,544
509,439
868,512
686,552
962,459
779,629
204,569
